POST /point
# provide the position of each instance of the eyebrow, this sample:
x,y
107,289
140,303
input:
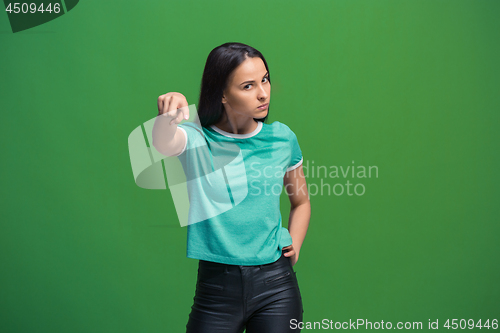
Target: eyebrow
x,y
267,73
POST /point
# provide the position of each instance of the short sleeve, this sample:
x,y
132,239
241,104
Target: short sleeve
x,y
194,137
185,143
296,153
195,157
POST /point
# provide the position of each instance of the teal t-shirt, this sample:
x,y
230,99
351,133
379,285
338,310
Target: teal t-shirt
x,y
234,183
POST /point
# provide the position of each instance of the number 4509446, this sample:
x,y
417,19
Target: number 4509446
x,y
463,324
31,8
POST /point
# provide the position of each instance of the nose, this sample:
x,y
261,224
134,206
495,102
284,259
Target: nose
x,y
262,93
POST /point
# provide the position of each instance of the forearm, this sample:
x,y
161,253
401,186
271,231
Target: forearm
x,y
163,133
298,223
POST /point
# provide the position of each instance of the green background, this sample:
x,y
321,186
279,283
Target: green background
x,y
411,87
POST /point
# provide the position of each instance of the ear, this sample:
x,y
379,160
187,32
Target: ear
x,y
223,99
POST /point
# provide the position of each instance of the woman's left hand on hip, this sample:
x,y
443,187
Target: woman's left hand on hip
x,y
290,252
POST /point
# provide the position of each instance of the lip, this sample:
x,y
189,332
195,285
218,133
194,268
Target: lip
x,y
263,106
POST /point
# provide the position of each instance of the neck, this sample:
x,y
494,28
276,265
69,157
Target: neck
x,y
236,125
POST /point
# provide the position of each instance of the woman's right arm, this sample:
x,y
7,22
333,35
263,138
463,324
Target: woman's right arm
x,y
167,138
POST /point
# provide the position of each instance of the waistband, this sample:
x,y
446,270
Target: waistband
x,y
226,267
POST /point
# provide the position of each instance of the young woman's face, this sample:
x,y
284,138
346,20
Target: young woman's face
x,y
248,88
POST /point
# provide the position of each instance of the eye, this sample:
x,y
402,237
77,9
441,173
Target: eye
x,y
265,78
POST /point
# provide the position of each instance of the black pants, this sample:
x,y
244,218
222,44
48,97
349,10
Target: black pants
x,y
230,298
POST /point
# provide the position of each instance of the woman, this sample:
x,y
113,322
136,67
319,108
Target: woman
x,y
245,276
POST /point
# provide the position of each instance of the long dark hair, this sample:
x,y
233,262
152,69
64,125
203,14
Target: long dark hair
x,y
221,62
